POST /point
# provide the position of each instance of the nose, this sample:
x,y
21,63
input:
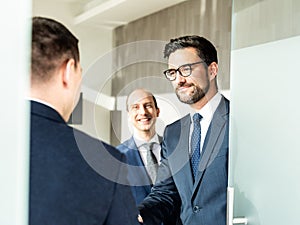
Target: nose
x,y
142,110
179,79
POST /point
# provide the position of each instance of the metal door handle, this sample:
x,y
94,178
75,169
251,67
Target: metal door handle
x,y
230,219
241,220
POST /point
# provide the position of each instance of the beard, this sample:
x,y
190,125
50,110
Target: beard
x,y
193,97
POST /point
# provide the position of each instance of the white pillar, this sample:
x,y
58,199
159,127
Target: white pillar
x,y
14,114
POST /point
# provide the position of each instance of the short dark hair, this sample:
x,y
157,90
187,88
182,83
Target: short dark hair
x,y
155,102
52,45
205,49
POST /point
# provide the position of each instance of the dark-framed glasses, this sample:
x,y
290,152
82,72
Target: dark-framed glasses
x,y
184,70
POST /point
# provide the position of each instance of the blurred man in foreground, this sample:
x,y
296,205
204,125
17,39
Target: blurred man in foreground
x,y
64,188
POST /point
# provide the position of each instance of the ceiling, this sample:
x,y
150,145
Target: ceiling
x,y
113,13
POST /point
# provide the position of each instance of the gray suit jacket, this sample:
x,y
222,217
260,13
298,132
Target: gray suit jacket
x,y
203,202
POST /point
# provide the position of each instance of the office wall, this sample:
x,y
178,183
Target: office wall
x,y
14,119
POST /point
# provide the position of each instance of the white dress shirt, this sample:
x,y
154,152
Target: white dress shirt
x,y
142,150
207,113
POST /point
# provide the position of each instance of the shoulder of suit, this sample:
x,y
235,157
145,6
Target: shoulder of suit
x,y
224,105
179,121
89,142
127,145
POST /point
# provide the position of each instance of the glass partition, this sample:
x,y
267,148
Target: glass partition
x,y
264,125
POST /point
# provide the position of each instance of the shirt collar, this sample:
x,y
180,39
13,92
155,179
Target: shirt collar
x,y
42,102
210,107
139,142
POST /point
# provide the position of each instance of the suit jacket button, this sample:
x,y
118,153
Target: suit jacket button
x,y
196,209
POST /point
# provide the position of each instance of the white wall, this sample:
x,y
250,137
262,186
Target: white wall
x,y
14,119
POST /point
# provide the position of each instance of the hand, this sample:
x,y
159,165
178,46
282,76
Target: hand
x,y
140,219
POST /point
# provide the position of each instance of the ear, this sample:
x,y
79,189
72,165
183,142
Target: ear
x,y
67,72
157,112
213,70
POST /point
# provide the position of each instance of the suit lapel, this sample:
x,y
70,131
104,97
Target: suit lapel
x,y
136,160
213,140
160,139
134,157
181,160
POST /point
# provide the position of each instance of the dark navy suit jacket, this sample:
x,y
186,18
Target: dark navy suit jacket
x,y
74,180
203,202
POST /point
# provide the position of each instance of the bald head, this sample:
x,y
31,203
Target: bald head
x,y
142,113
137,95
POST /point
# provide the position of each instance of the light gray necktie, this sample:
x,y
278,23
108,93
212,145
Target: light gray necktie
x,y
151,161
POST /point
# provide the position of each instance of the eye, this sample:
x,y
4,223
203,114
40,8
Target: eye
x,y
172,72
134,107
148,106
185,68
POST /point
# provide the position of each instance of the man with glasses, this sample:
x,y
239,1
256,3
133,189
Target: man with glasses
x,y
193,170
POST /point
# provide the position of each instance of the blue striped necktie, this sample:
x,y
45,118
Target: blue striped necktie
x,y
195,144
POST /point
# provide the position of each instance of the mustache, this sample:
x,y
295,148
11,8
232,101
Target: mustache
x,y
184,85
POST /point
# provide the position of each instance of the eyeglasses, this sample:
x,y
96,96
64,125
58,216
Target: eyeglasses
x,y
184,70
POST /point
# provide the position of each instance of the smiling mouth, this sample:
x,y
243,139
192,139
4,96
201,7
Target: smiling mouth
x,y
144,120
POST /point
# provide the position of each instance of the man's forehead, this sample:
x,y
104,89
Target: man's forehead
x,y
182,56
139,96
138,100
